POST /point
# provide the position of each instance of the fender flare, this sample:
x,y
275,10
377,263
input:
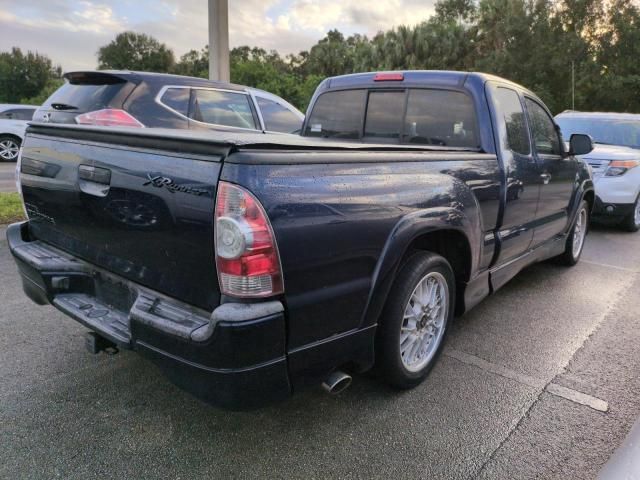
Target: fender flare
x,y
407,230
585,188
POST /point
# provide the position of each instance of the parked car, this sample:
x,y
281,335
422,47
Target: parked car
x,y
13,122
277,262
615,161
142,99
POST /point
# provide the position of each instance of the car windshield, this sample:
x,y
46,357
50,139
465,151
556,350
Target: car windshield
x,y
610,131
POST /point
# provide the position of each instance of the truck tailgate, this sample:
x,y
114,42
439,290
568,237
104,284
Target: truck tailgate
x,y
141,213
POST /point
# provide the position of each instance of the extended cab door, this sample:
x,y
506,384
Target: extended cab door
x,y
557,173
522,182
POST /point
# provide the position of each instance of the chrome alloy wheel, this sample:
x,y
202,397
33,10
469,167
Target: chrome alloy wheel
x,y
579,232
636,215
9,150
424,322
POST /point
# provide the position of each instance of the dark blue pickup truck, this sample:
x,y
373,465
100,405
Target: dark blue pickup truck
x,y
250,266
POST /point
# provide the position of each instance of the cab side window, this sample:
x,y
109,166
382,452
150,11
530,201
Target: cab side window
x,y
545,136
510,109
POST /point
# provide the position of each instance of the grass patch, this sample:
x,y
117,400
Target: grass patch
x,y
10,208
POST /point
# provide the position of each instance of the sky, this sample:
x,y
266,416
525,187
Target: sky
x,y
71,31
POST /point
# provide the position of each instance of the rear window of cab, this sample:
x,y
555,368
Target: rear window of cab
x,y
408,116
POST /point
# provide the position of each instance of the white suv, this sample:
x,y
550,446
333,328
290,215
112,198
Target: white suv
x,y
13,122
615,161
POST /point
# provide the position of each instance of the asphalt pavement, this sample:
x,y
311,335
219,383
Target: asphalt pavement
x,y
7,177
542,380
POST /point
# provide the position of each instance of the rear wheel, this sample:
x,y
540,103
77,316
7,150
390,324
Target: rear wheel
x,y
9,148
415,320
575,241
632,222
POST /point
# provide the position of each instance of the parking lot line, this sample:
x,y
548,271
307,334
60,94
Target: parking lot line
x,y
577,397
497,369
607,265
555,389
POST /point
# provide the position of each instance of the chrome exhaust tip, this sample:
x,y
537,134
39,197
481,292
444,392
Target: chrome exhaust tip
x,y
337,382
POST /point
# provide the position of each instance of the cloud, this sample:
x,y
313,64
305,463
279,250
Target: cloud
x,y
71,31
356,15
85,16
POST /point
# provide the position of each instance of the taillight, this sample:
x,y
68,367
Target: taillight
x,y
109,117
246,252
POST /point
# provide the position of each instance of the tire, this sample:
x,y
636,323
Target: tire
x,y
398,340
573,250
631,223
9,148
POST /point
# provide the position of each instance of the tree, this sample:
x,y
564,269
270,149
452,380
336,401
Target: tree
x,y
331,55
136,51
258,68
617,53
456,10
194,63
24,75
52,85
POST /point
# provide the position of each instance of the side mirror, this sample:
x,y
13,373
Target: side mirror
x,y
580,144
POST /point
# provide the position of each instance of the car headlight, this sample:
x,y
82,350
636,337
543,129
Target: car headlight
x,y
620,167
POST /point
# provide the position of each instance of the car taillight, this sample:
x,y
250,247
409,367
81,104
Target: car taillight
x,y
247,257
109,117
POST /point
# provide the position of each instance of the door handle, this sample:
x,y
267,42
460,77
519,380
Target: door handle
x,y
94,180
546,177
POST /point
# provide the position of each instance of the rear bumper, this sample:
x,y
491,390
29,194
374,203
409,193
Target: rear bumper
x,y
233,357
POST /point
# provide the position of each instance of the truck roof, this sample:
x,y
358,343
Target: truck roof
x,y
412,77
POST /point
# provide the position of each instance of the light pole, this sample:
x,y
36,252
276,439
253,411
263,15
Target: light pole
x,y
573,85
219,40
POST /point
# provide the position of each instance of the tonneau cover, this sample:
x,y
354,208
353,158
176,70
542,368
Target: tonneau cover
x,y
240,140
